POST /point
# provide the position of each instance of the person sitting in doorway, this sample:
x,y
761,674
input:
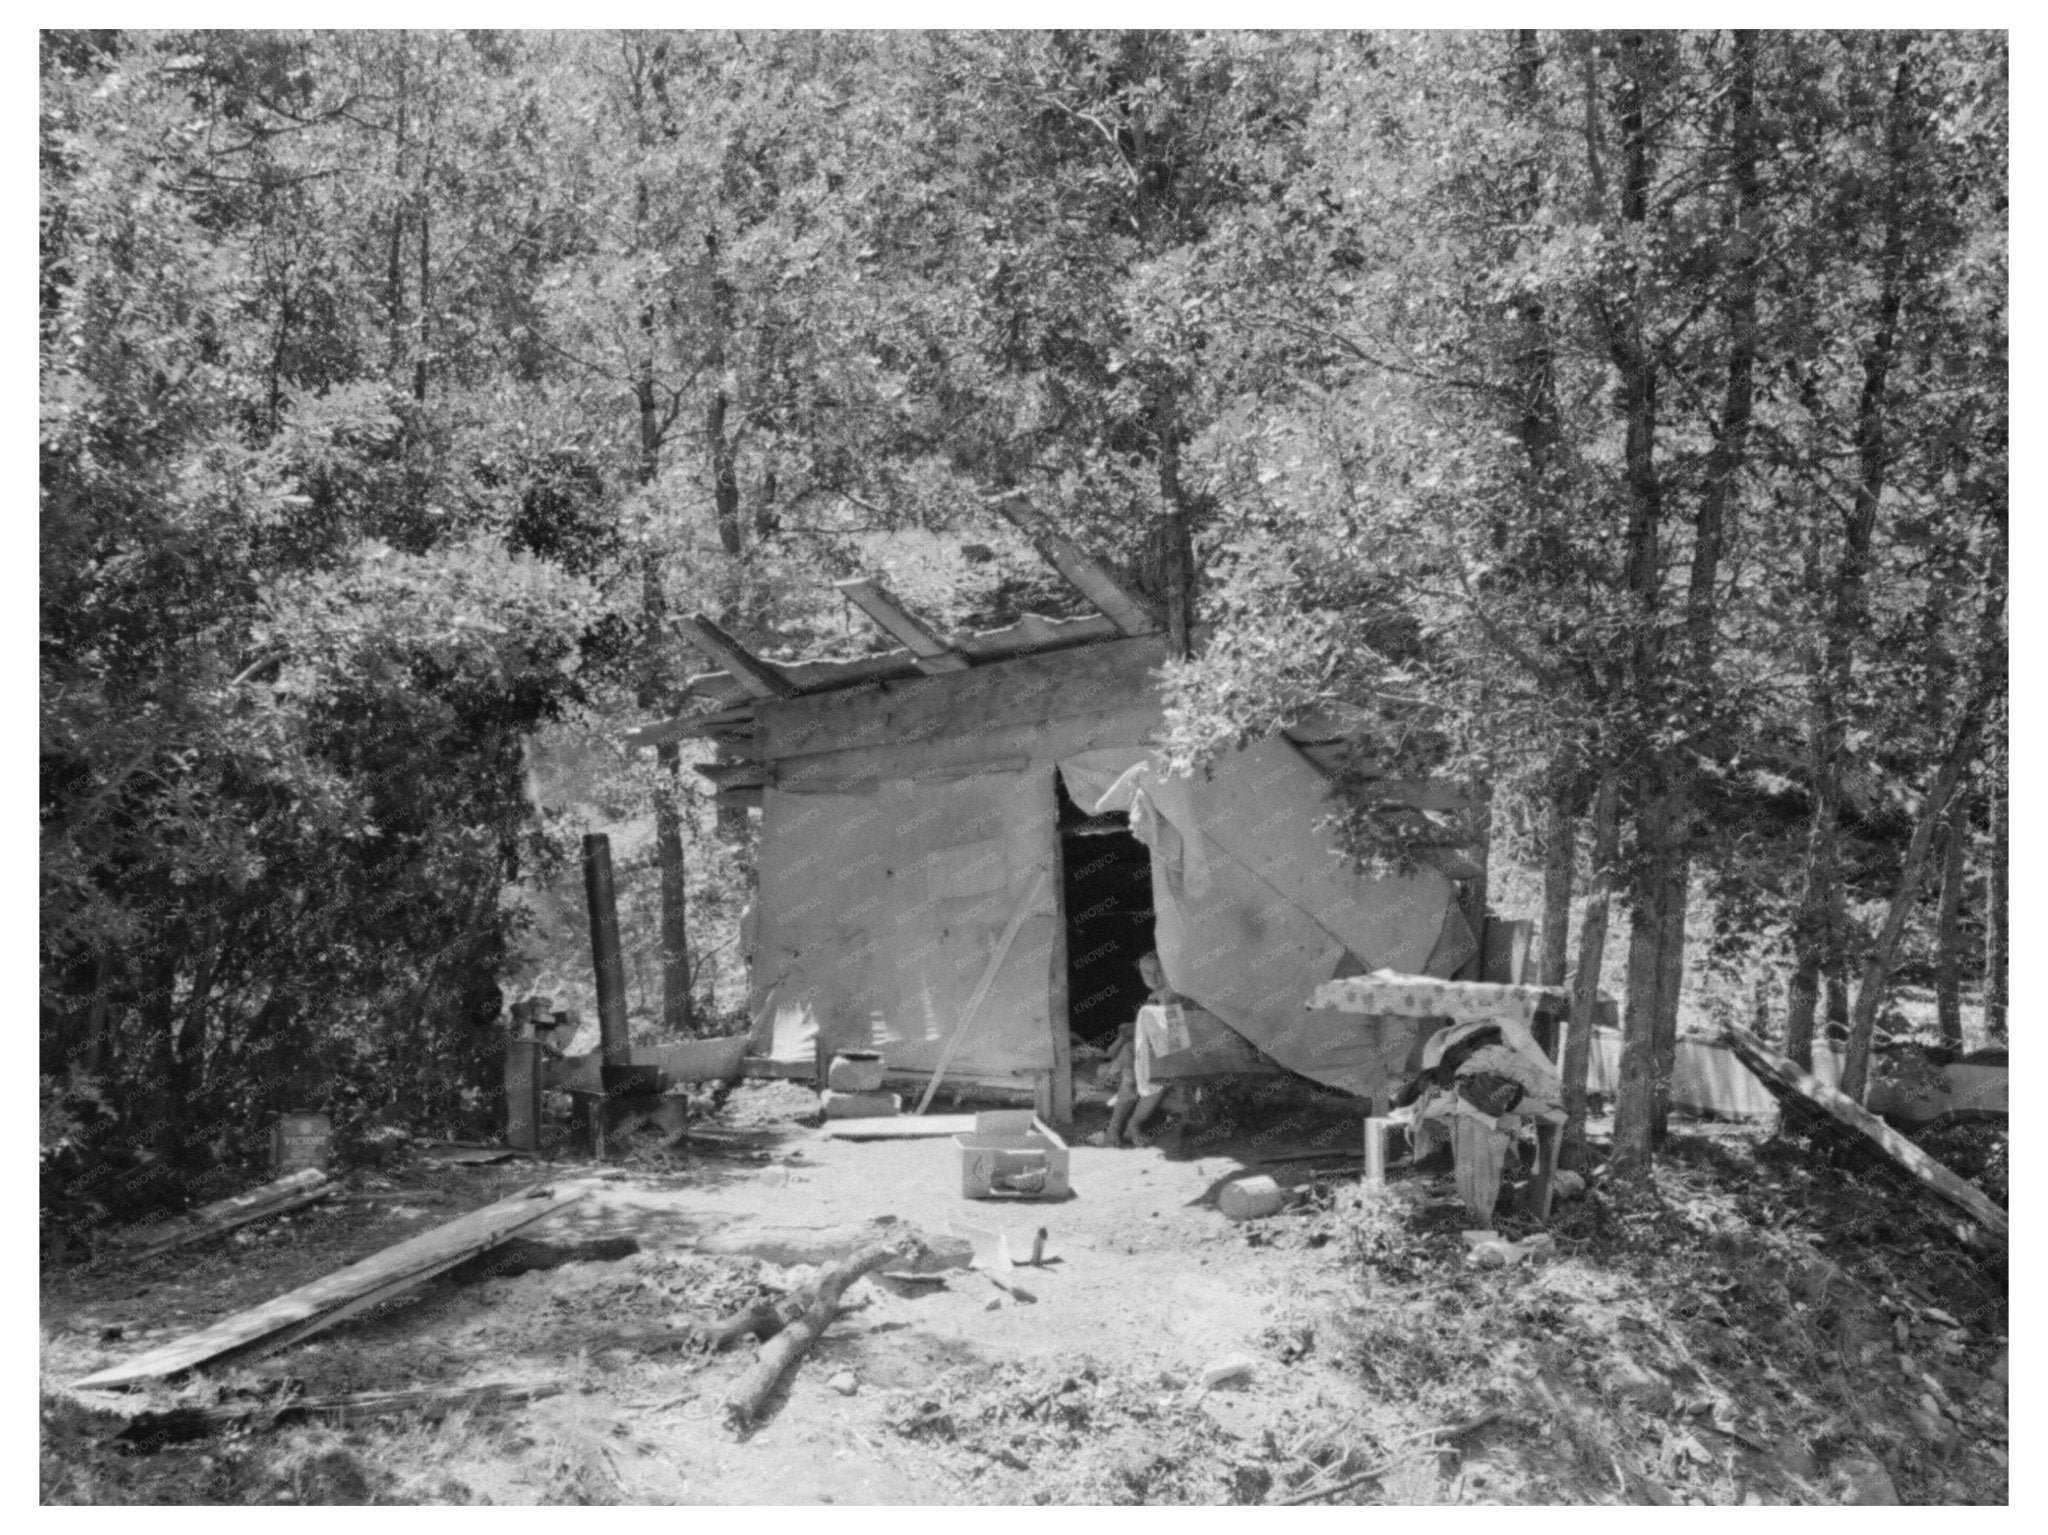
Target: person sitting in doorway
x,y
1137,1099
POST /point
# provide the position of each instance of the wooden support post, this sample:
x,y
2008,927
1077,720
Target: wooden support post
x,y
522,1094
1058,1108
988,975
933,654
1377,1129
605,954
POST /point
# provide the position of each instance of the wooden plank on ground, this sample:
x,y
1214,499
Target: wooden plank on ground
x,y
148,1431
1784,1078
311,1307
767,1066
223,1215
902,1128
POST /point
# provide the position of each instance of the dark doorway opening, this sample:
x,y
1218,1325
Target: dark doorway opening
x,y
1108,903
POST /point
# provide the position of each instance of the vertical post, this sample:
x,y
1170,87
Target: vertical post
x,y
1376,1129
522,1094
1059,1086
605,953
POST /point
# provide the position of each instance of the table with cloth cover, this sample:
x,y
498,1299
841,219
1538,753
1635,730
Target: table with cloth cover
x,y
1478,1140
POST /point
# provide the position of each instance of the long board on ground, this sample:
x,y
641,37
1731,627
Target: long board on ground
x,y
902,1128
1784,1078
152,1430
293,1192
344,1293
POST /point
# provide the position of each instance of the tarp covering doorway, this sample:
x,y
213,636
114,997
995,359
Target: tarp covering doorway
x,y
1255,909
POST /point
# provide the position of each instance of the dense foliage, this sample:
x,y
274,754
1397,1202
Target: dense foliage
x,y
1614,420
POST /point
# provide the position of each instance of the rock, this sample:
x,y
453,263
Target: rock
x,y
1795,1459
1227,1368
1492,1255
1250,1199
1997,1372
1864,1483
1624,1377
994,1305
1567,1185
844,1383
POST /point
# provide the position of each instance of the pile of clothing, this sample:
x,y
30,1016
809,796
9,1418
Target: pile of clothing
x,y
1480,1085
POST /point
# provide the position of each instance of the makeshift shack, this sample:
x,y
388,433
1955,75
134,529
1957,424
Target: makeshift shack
x,y
964,852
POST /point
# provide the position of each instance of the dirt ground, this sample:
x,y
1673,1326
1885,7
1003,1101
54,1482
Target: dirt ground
x,y
1764,1329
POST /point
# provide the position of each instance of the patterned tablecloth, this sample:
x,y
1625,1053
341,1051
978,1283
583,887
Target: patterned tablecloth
x,y
1422,996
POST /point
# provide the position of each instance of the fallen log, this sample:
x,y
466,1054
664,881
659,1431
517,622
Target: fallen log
x,y
224,1215
743,1403
148,1432
1787,1081
345,1293
763,1320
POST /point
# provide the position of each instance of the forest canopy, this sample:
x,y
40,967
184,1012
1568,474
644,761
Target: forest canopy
x,y
1614,420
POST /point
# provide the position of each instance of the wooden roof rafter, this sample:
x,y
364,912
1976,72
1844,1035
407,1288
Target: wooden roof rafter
x,y
929,652
1084,572
753,674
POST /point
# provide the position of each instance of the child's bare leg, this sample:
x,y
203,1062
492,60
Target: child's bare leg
x,y
1144,1110
1119,1112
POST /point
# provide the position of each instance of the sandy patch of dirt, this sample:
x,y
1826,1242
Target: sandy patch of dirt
x,y
1649,1360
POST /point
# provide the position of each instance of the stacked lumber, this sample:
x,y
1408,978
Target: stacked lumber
x,y
345,1293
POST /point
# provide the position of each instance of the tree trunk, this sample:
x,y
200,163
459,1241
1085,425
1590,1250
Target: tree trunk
x,y
1877,968
1996,942
1802,997
1560,861
1636,366
678,1013
1177,548
1578,1048
725,484
1948,941
419,363
1478,891
1838,986
1643,1078
1676,894
1846,620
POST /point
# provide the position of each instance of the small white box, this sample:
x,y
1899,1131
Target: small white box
x,y
1012,1154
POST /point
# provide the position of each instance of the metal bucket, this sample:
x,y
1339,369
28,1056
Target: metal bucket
x,y
300,1141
